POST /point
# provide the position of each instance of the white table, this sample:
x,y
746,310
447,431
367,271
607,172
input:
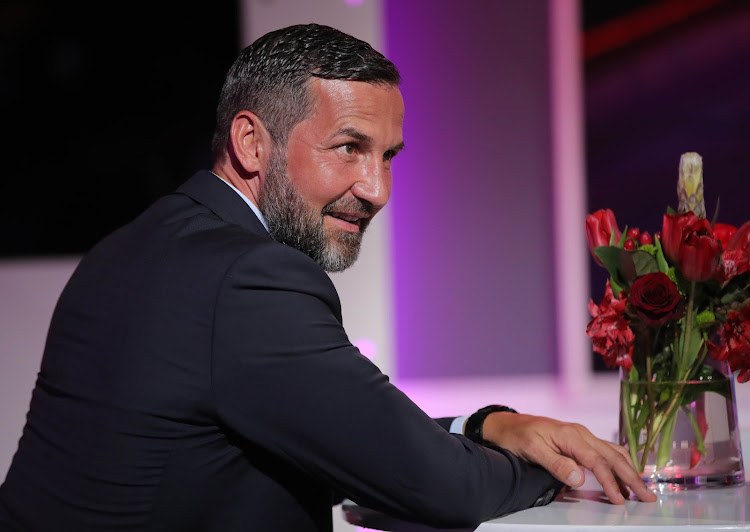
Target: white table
x,y
587,510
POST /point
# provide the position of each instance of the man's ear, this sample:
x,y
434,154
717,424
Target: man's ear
x,y
249,141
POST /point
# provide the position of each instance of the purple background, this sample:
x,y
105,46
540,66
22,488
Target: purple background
x,y
471,203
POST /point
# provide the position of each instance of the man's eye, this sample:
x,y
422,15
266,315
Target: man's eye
x,y
349,148
390,154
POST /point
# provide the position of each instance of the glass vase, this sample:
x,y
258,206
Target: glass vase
x,y
682,435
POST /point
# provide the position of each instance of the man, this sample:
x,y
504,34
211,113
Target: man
x,y
196,374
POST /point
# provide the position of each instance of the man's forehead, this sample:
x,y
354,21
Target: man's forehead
x,y
358,97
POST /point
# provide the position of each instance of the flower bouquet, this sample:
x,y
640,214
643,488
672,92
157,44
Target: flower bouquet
x,y
675,317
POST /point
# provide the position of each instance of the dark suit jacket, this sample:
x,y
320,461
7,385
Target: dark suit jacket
x,y
197,376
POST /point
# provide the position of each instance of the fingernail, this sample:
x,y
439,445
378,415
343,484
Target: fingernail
x,y
574,478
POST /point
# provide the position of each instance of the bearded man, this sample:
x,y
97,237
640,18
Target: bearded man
x,y
196,374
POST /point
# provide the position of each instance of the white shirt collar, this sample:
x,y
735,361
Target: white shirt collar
x,y
246,200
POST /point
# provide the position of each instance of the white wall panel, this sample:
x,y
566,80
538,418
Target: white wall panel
x,y
365,289
28,292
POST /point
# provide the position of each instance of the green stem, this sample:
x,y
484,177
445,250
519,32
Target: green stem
x,y
664,427
654,432
688,330
664,450
651,407
699,443
627,398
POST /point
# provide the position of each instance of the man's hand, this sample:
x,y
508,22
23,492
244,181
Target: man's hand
x,y
565,449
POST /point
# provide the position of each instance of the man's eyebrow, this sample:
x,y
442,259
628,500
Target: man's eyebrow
x,y
353,133
363,137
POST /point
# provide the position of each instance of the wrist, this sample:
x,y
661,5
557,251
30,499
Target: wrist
x,y
474,428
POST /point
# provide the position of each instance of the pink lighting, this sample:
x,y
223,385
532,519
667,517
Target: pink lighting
x,y
569,193
367,347
354,2
470,202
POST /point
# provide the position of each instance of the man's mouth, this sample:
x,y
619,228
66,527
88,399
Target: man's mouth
x,y
346,217
347,221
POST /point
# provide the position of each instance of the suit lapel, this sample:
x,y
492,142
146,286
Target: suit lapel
x,y
207,189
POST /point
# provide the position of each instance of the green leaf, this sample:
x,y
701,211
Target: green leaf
x,y
642,418
682,285
663,357
661,260
616,288
665,394
610,257
623,237
628,270
694,348
711,380
644,263
733,294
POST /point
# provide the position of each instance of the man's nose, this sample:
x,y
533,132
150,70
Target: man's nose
x,y
374,185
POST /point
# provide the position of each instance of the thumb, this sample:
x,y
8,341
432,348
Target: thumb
x,y
575,478
565,470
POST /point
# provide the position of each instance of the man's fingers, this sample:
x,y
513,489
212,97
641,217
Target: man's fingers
x,y
610,485
630,478
620,449
620,475
623,488
610,463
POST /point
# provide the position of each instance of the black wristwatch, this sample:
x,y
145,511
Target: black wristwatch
x,y
473,429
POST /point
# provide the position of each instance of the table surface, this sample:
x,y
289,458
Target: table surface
x,y
586,508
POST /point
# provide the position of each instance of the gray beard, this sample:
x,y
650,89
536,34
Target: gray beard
x,y
292,222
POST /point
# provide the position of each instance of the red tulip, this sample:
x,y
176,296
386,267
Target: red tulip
x,y
599,228
741,239
672,229
724,233
736,257
699,252
689,242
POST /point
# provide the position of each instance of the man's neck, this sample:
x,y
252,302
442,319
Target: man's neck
x,y
247,186
245,198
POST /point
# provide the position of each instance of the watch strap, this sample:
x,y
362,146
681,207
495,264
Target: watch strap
x,y
474,424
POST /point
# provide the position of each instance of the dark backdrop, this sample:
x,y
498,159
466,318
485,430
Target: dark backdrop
x,y
104,108
684,87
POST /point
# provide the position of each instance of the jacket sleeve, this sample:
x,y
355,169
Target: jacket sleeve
x,y
444,422
286,378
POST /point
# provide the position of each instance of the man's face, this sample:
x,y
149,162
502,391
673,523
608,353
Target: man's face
x,y
320,193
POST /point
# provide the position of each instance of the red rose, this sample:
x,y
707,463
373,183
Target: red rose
x,y
654,298
736,257
734,343
599,228
610,332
